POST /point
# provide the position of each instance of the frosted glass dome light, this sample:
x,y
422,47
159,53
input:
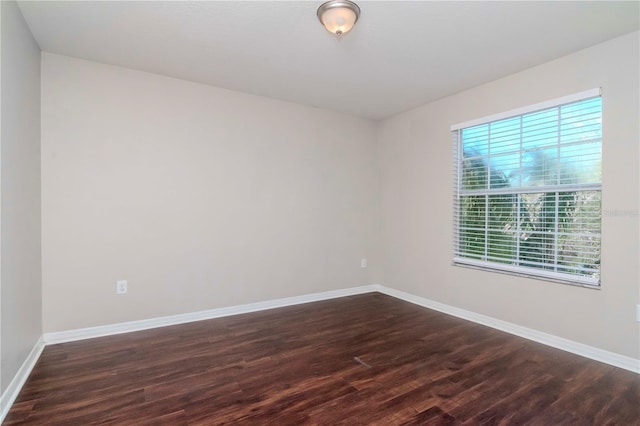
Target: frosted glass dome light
x,y
338,16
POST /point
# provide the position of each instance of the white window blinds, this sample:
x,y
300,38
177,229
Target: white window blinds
x,y
527,190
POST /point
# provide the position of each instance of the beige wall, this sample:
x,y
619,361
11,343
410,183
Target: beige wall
x,y
415,156
199,197
21,289
205,198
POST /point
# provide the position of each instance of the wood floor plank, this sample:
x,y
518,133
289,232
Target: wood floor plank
x,y
360,360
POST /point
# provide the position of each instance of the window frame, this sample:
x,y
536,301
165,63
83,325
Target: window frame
x,y
505,268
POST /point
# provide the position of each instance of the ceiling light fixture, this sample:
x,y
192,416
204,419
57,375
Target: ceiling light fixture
x,y
338,16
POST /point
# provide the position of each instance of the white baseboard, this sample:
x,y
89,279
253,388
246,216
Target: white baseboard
x,y
567,345
127,327
14,388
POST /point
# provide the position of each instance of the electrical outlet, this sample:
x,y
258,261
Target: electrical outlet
x,y
121,287
638,312
363,263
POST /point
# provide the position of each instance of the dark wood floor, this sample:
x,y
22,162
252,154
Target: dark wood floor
x,y
367,359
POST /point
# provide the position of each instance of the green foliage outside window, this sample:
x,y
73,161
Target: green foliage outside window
x,y
554,229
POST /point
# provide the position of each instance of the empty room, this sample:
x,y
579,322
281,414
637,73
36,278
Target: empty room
x,y
308,212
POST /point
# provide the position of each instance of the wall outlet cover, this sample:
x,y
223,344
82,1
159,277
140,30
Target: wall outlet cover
x,y
121,286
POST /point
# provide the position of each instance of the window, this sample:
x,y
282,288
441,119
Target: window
x,y
527,190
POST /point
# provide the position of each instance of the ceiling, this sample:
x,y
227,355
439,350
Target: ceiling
x,y
398,56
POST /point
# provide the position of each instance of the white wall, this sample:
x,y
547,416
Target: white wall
x,y
199,197
415,156
21,288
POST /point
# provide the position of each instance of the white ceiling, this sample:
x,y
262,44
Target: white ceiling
x,y
398,56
